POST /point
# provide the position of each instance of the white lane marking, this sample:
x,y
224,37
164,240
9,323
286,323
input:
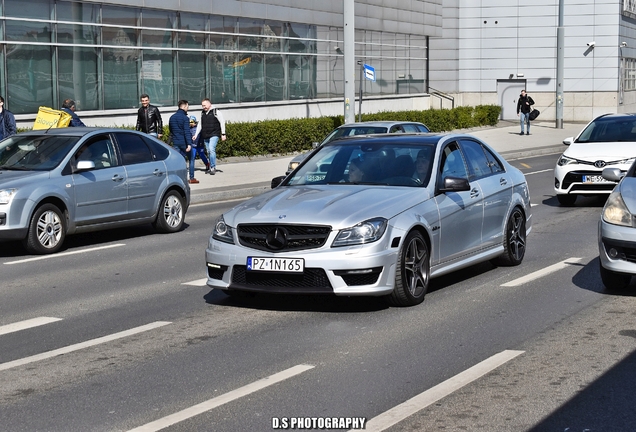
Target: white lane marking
x,y
432,395
63,254
198,282
222,399
26,324
541,171
533,205
543,272
79,346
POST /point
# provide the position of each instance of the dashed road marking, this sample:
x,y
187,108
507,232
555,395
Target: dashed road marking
x,y
541,171
198,282
63,254
82,345
543,272
432,395
27,324
222,399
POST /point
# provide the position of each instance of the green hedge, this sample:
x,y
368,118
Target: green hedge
x,y
296,135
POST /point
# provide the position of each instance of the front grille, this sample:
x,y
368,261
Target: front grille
x,y
311,281
577,177
356,277
281,237
3,218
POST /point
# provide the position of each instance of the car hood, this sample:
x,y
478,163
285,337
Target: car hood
x,y
10,178
339,206
607,151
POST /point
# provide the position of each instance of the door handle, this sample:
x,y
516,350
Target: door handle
x,y
503,181
158,173
117,178
474,193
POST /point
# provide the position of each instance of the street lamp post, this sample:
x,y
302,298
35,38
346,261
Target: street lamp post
x,y
559,72
349,62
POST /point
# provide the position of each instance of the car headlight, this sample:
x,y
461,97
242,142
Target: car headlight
x,y
6,195
292,166
564,160
626,161
615,211
365,232
222,232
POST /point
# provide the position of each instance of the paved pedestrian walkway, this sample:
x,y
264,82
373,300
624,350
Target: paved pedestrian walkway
x,y
245,177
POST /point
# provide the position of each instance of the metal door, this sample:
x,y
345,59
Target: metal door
x,y
508,91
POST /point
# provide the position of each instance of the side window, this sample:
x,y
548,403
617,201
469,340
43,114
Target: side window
x,y
495,164
99,150
397,129
452,162
159,151
421,128
410,128
133,149
476,158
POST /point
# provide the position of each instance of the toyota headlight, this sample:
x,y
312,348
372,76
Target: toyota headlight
x,y
564,160
6,195
365,232
222,232
615,211
626,161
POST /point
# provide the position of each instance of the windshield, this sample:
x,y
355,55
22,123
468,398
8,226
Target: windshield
x,y
34,153
609,129
345,131
368,164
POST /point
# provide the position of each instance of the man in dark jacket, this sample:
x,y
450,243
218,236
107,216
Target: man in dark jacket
x,y
68,106
180,134
211,128
524,106
149,118
7,121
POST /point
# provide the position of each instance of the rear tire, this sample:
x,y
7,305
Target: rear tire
x,y
566,200
47,230
171,215
412,272
514,240
613,280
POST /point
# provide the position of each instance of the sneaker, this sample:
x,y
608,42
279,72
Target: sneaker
x,y
193,181
521,133
212,171
527,133
207,169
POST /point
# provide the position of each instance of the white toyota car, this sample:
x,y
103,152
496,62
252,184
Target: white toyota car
x,y
608,141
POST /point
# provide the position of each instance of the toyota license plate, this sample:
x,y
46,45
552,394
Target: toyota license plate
x,y
594,179
292,265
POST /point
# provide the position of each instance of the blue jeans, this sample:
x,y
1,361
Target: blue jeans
x,y
211,143
524,118
193,156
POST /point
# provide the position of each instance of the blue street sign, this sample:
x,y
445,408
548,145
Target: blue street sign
x,y
369,72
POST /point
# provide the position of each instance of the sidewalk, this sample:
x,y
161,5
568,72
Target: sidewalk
x,y
246,177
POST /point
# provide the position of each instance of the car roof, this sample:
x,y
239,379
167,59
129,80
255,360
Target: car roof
x,y
383,123
402,138
73,131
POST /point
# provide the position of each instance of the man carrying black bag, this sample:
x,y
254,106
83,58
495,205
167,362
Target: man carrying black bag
x,y
524,106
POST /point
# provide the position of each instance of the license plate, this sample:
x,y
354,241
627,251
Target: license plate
x,y
293,265
594,179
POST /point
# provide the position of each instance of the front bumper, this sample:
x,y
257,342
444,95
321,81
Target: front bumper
x,y
569,180
348,271
617,247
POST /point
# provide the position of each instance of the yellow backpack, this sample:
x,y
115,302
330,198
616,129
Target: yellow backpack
x,y
48,118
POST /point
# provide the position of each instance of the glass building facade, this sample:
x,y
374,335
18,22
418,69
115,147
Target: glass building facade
x,y
104,56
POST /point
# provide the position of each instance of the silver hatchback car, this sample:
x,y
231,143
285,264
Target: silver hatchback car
x,y
378,215
72,180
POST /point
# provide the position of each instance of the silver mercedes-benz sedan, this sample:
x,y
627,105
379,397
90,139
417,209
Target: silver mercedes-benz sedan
x,y
64,181
376,215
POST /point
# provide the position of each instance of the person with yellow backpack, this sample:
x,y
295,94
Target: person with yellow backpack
x,y
68,106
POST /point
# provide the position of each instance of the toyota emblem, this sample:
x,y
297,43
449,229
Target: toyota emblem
x,y
599,164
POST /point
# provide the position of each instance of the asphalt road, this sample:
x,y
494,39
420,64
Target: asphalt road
x,y
194,359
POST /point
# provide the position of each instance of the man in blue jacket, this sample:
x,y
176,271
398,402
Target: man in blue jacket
x,y
180,134
68,106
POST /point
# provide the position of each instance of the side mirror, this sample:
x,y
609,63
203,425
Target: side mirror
x,y
85,165
455,184
612,174
277,181
568,141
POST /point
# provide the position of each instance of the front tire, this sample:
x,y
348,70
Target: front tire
x,y
613,280
412,272
47,230
514,240
566,200
171,215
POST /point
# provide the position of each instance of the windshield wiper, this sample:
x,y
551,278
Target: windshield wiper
x,y
14,168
